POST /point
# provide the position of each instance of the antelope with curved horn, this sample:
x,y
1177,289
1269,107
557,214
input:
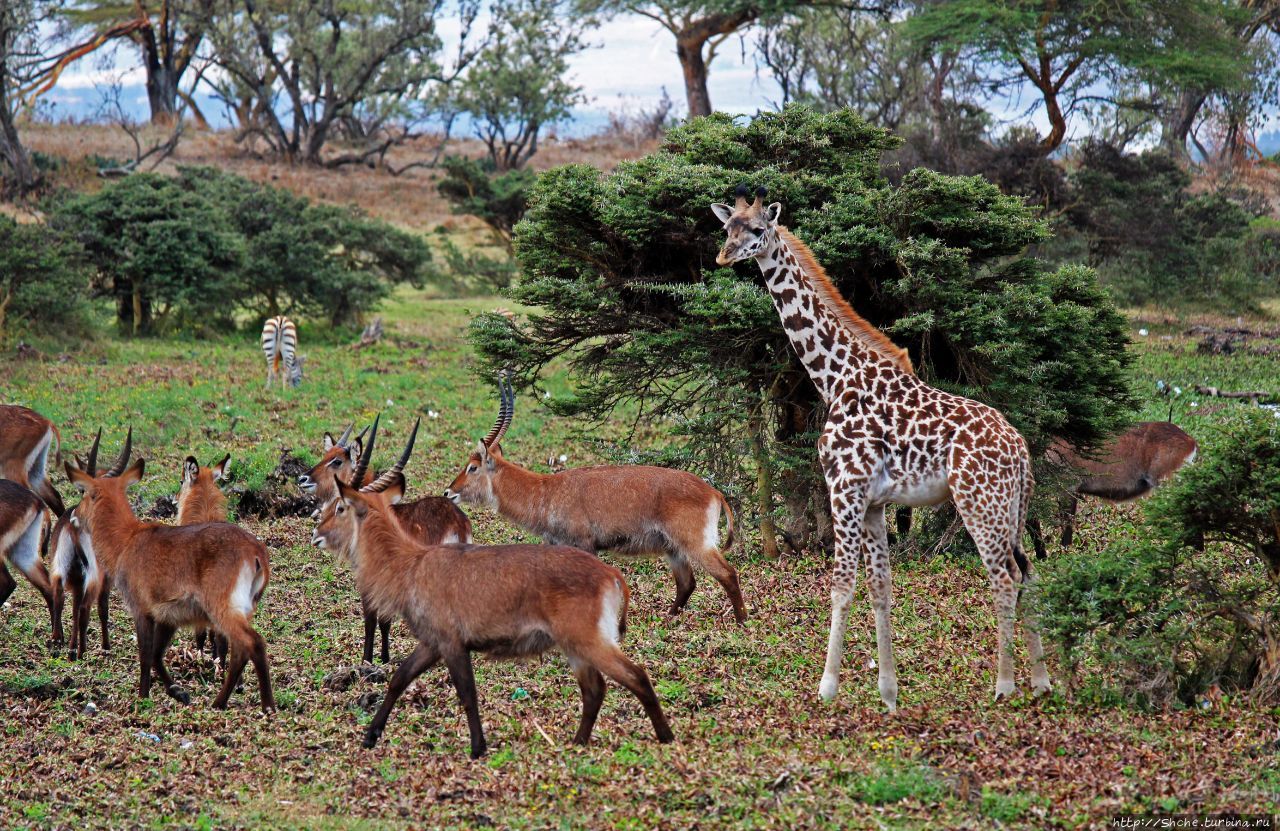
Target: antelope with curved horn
x,y
511,601
210,575
75,567
25,438
634,510
431,520
200,499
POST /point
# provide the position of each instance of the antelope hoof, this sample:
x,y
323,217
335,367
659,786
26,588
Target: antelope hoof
x,y
828,688
1004,689
371,737
178,694
478,750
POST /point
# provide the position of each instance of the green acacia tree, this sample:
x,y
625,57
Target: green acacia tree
x,y
622,265
165,255
1074,50
518,84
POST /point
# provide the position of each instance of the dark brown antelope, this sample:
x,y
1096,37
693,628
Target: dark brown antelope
x,y
25,437
200,499
21,512
511,601
211,575
75,569
633,510
1129,466
430,520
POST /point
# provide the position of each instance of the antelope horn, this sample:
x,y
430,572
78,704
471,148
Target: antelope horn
x,y
123,461
346,435
366,453
396,472
499,424
91,466
508,407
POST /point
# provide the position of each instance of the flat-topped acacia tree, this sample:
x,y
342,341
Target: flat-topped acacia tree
x,y
621,266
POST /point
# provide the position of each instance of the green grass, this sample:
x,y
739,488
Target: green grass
x,y
756,748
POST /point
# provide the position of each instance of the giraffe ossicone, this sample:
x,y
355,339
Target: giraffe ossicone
x,y
890,438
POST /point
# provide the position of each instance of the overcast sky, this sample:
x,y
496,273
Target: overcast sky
x,y
632,60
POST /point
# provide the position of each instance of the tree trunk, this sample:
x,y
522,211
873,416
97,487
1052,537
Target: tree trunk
x,y
162,94
694,65
1177,123
23,176
1057,122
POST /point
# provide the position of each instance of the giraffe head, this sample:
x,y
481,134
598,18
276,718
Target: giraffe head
x,y
751,226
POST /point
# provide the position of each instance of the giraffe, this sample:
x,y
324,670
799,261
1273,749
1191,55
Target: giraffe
x,y
890,438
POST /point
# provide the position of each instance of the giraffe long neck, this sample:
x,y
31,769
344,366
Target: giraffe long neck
x,y
826,348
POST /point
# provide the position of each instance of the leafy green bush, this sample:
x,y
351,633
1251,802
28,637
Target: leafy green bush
x,y
169,258
1192,598
1154,241
42,281
190,252
623,266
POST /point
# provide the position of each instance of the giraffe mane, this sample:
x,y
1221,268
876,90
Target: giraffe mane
x,y
871,337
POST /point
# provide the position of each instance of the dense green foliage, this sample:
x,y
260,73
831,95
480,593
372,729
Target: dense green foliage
x,y
1154,241
189,252
42,283
622,265
1193,600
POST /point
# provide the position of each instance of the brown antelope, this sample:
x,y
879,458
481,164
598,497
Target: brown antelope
x,y
511,601
75,568
25,436
209,575
1129,466
21,513
634,510
200,499
430,520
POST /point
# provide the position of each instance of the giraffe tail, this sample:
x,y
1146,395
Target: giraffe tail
x,y
1024,503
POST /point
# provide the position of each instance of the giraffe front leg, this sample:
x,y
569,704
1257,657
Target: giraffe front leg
x,y
880,587
846,513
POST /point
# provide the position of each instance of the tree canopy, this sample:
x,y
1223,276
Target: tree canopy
x,y
622,265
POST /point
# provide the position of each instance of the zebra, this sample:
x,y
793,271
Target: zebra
x,y
280,345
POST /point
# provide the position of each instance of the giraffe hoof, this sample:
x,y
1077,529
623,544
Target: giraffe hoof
x,y
827,689
1004,689
1039,688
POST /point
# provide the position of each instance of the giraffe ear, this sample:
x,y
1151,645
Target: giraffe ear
x,y
773,212
722,211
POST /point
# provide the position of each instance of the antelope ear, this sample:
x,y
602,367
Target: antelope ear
x,y
190,469
772,212
722,211
329,441
220,469
352,498
133,474
77,476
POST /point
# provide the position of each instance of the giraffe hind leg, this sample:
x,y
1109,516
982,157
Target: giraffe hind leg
x,y
992,534
875,552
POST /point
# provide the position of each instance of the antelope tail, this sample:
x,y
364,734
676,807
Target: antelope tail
x,y
728,521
